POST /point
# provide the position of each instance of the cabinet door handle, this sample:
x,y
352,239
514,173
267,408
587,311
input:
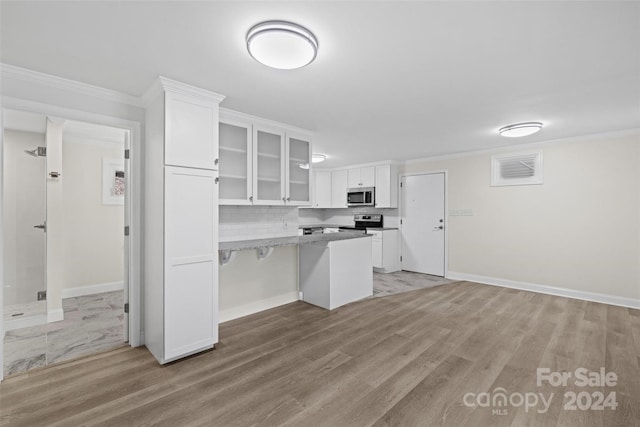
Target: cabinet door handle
x,y
217,180
288,199
251,198
216,161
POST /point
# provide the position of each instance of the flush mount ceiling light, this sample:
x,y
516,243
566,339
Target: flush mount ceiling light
x,y
317,158
520,129
283,45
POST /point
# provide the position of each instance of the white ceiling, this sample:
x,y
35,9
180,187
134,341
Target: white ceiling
x,y
392,80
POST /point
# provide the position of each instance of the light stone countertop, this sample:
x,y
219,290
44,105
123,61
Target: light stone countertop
x,y
323,225
240,245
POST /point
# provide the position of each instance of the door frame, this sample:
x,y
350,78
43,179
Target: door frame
x,y
446,212
132,213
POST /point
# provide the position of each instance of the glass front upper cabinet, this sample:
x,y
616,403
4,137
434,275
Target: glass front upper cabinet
x,y
269,166
298,170
235,162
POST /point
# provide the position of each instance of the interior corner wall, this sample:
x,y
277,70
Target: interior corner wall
x,y
579,231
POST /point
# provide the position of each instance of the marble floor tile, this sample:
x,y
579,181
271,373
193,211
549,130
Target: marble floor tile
x,y
404,281
34,308
92,323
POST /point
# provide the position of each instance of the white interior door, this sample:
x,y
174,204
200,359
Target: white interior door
x,y
423,223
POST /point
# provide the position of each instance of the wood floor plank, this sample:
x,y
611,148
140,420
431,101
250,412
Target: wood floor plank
x,y
407,359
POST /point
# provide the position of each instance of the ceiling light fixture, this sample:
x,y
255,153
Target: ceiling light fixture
x,y
317,158
520,129
282,45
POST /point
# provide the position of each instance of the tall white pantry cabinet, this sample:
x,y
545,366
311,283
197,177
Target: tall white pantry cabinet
x,y
181,220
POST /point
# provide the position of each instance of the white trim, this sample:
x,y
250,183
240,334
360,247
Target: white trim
x,y
549,290
162,84
257,306
98,288
532,145
55,315
35,77
227,114
135,194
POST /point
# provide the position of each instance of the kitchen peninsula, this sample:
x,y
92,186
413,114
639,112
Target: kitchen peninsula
x,y
327,270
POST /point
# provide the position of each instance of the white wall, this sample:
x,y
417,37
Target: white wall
x,y
94,232
579,231
24,207
257,222
248,285
391,217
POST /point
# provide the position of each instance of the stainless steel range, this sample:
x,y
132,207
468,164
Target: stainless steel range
x,y
364,221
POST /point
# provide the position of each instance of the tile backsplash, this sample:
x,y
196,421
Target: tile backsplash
x,y
257,222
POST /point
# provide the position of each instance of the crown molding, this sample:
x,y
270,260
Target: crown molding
x,y
164,84
244,117
528,146
35,77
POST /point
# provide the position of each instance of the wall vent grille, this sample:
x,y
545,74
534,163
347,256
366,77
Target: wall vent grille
x,y
517,169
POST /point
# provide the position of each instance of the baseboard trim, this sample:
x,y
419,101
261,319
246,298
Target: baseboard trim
x,y
55,315
257,306
549,290
98,288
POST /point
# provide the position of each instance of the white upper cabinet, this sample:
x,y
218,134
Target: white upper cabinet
x,y
235,166
262,163
269,164
362,177
339,187
322,197
191,131
386,186
298,185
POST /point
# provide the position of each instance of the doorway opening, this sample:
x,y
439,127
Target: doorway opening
x,y
65,249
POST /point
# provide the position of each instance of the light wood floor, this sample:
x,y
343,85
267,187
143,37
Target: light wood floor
x,y
402,360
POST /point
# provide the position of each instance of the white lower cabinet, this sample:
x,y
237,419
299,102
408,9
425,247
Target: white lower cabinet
x,y
385,254
332,274
191,267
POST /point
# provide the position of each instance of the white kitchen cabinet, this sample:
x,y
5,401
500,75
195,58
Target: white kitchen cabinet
x,y
386,186
191,129
362,177
262,163
181,220
298,172
385,253
339,185
235,166
322,189
269,166
335,273
191,262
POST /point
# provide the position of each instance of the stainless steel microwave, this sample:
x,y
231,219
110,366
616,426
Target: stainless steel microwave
x,y
361,196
